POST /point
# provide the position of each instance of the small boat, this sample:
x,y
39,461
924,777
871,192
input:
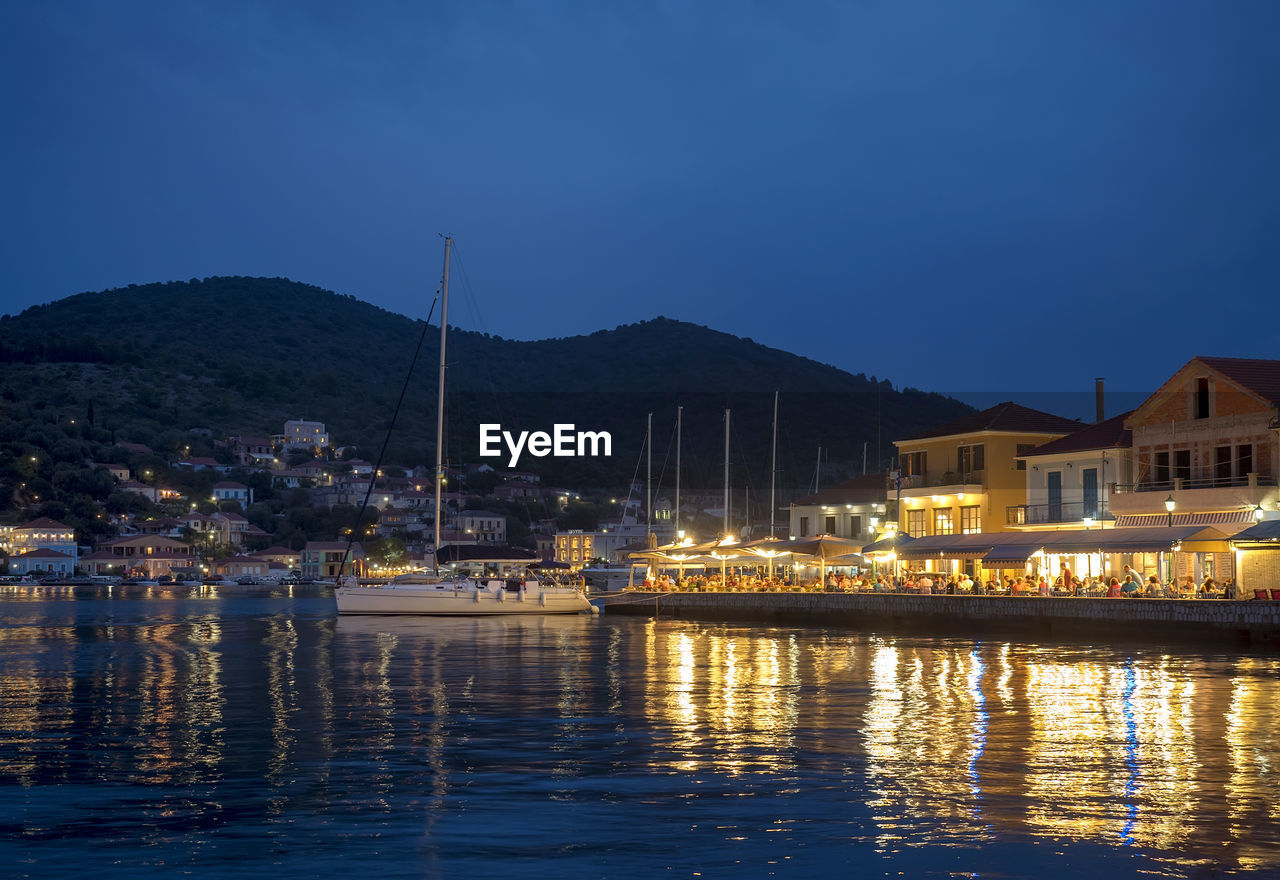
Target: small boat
x,y
435,594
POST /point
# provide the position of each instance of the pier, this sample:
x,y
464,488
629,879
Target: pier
x,y
1226,622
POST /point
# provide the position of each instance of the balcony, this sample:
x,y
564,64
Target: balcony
x,y
1061,512
1202,494
946,483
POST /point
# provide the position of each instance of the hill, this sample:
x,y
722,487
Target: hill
x,y
230,355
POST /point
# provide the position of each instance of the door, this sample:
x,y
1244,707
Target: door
x,y
1055,496
1089,478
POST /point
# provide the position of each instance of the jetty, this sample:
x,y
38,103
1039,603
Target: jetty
x,y
1231,622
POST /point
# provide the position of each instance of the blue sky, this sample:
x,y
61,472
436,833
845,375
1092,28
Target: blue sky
x,y
982,196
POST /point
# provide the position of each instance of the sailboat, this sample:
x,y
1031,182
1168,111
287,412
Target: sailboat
x,y
425,593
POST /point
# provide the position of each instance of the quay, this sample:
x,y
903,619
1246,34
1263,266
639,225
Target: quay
x,y
1227,622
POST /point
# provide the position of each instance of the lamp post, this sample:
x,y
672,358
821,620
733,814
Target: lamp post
x,y
1169,505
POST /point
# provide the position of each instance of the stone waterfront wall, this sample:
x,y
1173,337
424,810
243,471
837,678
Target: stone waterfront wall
x,y
1213,620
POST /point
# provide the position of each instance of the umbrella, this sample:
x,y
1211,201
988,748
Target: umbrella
x,y
766,548
822,547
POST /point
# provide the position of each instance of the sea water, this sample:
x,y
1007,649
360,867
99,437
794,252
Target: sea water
x,y
214,733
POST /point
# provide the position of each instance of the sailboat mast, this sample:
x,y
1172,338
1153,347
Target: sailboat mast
x,y
726,472
679,416
444,326
648,480
773,466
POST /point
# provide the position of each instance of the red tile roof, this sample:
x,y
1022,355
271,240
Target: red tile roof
x,y
1262,377
859,490
1111,434
1007,416
46,523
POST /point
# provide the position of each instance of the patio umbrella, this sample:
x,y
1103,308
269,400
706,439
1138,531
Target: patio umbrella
x,y
824,548
766,548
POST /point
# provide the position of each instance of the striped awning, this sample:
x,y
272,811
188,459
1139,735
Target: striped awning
x,y
1212,518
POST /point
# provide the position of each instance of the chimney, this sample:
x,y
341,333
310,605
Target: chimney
x,y
1098,400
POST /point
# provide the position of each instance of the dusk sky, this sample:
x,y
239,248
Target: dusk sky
x,y
979,196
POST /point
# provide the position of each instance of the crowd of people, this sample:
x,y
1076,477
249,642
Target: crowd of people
x,y
1126,584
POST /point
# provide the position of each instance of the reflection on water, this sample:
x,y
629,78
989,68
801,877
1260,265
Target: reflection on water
x,y
223,731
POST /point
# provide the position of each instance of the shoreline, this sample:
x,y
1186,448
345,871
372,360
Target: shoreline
x,y
1225,622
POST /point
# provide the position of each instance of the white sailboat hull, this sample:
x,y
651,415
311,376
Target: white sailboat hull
x,y
460,599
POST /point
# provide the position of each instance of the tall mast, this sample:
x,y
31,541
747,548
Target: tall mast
x,y
648,481
773,466
444,326
679,416
726,472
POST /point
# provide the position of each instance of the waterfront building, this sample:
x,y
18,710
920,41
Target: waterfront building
x,y
1206,451
42,534
42,561
575,547
852,509
1068,480
289,559
321,559
959,478
241,566
148,555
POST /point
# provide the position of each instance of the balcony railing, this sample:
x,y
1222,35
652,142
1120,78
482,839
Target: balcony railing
x,y
1060,512
948,478
1179,483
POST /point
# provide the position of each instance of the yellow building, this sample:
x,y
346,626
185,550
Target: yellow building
x,y
959,478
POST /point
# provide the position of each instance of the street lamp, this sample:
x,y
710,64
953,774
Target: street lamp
x,y
1257,513
1088,522
1169,504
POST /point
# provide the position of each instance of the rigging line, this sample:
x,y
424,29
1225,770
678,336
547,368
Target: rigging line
x,y
665,458
373,478
470,298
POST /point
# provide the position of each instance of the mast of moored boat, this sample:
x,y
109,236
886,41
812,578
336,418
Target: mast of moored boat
x,y
679,416
725,533
648,484
444,325
773,466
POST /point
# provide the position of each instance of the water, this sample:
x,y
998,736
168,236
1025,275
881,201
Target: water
x,y
232,735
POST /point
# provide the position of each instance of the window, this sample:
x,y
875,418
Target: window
x,y
804,526
971,458
943,524
1182,464
1024,449
970,520
1160,473
912,464
1244,460
855,526
1202,397
1222,464
915,523
829,525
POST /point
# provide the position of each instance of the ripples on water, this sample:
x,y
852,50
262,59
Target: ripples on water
x,y
232,735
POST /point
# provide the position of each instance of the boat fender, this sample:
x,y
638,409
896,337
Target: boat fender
x,y
502,595
522,593
542,599
475,596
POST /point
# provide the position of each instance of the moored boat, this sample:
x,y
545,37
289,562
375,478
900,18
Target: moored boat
x,y
437,594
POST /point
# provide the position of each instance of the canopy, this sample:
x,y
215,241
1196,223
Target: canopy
x,y
1010,556
889,544
1265,532
822,546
